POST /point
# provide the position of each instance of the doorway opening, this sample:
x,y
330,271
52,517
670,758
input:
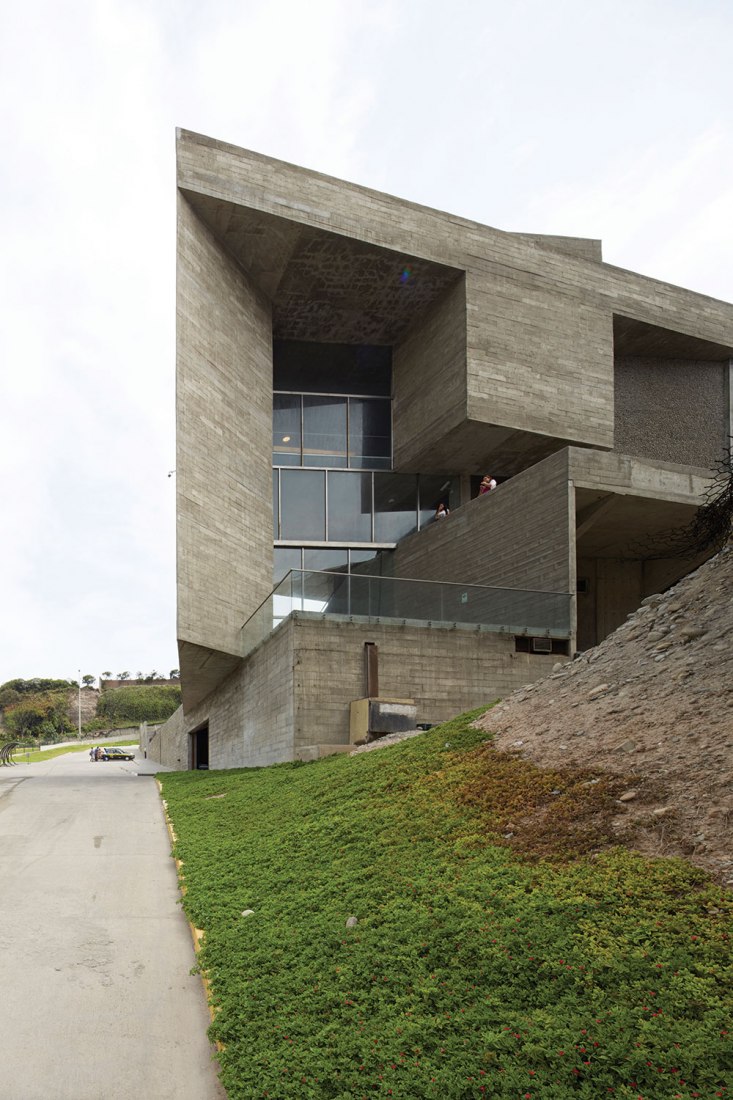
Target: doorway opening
x,y
199,748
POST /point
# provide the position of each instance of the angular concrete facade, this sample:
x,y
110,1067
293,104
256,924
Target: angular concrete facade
x,y
599,398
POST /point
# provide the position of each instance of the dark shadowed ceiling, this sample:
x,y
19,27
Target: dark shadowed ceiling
x,y
324,286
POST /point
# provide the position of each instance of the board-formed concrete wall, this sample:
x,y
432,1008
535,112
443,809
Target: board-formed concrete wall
x,y
506,350
250,714
224,429
446,671
540,353
168,745
539,321
614,587
671,409
290,699
628,475
518,536
431,360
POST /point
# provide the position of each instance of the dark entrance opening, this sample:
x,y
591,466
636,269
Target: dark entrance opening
x,y
199,748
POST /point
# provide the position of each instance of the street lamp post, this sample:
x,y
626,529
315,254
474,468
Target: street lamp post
x,y
80,704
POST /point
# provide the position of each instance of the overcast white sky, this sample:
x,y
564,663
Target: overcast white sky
x,y
609,119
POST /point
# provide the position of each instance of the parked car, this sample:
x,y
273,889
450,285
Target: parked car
x,y
117,754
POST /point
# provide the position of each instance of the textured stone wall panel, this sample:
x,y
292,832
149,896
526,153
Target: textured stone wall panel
x,y
671,409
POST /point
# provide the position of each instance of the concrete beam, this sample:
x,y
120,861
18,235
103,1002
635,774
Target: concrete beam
x,y
592,513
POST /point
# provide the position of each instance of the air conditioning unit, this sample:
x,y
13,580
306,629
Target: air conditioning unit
x,y
372,718
541,645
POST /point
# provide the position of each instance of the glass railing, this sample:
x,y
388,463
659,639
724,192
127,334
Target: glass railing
x,y
356,596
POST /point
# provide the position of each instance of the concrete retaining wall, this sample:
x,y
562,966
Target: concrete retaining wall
x,y
290,699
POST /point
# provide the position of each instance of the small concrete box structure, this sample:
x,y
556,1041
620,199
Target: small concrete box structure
x,y
373,718
348,361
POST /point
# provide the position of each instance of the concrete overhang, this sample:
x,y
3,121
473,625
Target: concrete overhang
x,y
202,670
637,339
627,526
476,446
332,288
626,507
325,286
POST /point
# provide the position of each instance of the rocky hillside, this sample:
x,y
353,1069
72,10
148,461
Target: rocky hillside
x,y
89,697
654,703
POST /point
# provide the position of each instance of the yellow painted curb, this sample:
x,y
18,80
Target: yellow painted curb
x,y
197,934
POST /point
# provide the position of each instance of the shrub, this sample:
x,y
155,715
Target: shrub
x,y
138,704
43,716
36,685
15,691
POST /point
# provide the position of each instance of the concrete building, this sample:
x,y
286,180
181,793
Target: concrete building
x,y
346,361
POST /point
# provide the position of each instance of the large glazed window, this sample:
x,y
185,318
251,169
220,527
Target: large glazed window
x,y
331,430
286,429
370,434
395,506
302,505
346,560
332,405
349,507
344,506
332,453
324,430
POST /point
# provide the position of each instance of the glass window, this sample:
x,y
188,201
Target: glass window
x,y
433,490
324,431
395,506
305,367
286,429
276,504
303,505
370,433
367,561
349,507
326,593
284,559
329,561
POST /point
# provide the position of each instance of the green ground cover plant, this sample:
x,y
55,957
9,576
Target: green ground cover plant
x,y
481,965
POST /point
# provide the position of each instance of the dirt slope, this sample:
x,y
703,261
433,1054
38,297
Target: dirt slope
x,y
653,702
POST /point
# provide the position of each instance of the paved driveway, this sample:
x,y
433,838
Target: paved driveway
x,y
97,1000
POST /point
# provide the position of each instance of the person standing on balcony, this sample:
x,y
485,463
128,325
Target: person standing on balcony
x,y
487,484
442,510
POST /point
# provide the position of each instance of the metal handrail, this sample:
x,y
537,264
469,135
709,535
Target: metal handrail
x,y
362,596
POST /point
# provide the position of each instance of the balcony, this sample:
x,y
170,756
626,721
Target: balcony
x,y
357,598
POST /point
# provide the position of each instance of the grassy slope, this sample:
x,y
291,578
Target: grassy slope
x,y
475,970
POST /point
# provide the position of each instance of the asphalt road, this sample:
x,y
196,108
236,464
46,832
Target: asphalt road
x,y
97,1002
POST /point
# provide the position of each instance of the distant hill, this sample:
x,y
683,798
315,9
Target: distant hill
x,y
49,709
